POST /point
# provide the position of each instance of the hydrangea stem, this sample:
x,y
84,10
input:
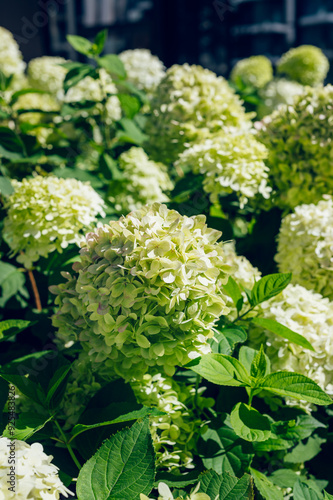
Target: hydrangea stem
x,y
68,446
35,290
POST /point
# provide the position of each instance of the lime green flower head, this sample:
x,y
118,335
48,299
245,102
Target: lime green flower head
x,y
47,214
176,433
190,103
46,73
278,91
255,71
11,60
144,182
305,246
306,64
147,291
231,163
299,140
143,69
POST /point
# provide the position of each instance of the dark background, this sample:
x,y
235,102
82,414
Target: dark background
x,y
212,33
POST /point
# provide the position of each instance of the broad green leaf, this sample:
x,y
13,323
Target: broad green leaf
x,y
12,281
80,44
113,64
130,133
327,496
269,286
75,75
57,385
225,486
6,187
176,481
285,478
266,488
99,41
81,175
283,331
122,468
249,424
295,385
11,327
233,290
133,415
304,452
222,450
11,146
234,335
302,491
5,81
247,356
130,104
260,365
109,169
220,369
25,426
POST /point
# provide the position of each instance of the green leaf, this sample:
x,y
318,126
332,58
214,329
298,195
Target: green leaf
x,y
247,356
11,327
295,385
283,331
133,415
26,425
122,468
12,281
302,491
225,486
11,146
233,290
109,169
6,187
80,44
327,496
269,286
266,488
57,384
221,450
81,175
99,41
130,133
260,365
75,75
249,424
113,64
5,81
220,369
234,335
304,452
130,104
176,481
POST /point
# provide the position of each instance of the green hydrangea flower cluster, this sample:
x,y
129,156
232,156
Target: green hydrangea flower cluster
x,y
11,60
143,69
189,104
305,245
255,71
278,91
175,434
299,140
231,163
144,182
309,314
147,292
47,214
46,73
306,64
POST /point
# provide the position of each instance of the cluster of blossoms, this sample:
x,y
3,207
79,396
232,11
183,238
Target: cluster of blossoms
x,y
96,90
278,91
256,71
34,477
166,494
310,315
299,141
46,73
231,163
147,292
176,433
143,69
47,214
144,182
241,268
11,61
306,64
189,104
305,245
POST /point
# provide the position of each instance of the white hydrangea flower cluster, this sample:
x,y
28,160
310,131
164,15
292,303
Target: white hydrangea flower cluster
x,y
46,73
33,476
89,89
176,433
279,91
166,494
144,182
11,61
143,69
47,214
147,292
189,104
230,163
305,245
310,315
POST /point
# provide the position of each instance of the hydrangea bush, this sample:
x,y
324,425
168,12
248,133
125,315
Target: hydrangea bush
x,y
166,358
